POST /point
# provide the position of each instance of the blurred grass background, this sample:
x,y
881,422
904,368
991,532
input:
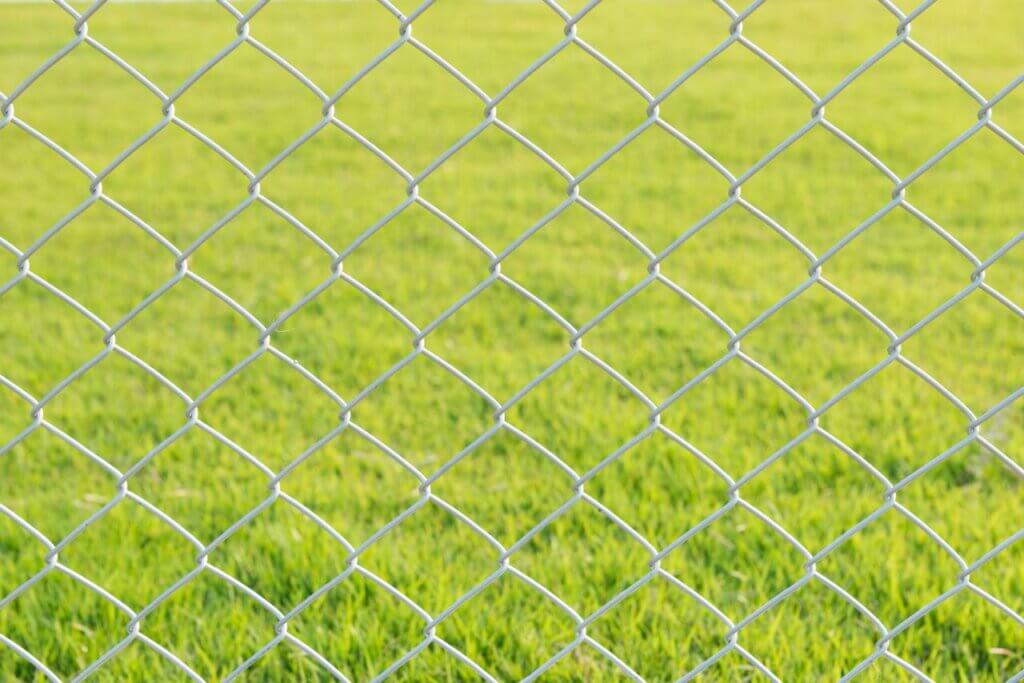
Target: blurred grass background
x,y
738,108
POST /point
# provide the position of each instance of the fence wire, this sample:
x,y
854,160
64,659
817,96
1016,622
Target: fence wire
x,y
576,195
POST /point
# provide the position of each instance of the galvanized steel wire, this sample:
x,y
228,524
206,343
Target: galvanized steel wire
x,y
575,195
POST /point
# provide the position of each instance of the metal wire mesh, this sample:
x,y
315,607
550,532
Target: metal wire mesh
x,y
576,195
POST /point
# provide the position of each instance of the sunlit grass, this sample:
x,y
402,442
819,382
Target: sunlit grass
x,y
903,110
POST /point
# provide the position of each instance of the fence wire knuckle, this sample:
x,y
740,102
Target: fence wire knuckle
x,y
576,493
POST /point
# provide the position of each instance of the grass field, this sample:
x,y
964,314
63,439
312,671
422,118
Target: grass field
x,y
903,110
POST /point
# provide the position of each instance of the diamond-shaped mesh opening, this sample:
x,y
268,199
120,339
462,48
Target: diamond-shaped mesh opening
x,y
837,189
737,107
400,264
738,563
805,37
894,584
833,345
119,431
201,483
281,536
335,186
59,341
166,44
547,265
659,489
970,194
271,410
426,577
877,110
190,336
47,29
966,636
495,187
337,336
896,421
369,608
48,189
77,260
573,108
957,348
737,266
580,413
500,339
506,486
298,33
85,486
211,625
753,417
660,630
409,81
634,189
584,557
511,623
831,639
278,263
107,119
394,414
367,487
232,101
155,180
900,270
520,31
949,27
70,625
151,555
797,491
973,500
651,51
658,340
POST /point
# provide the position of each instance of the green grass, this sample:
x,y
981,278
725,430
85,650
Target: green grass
x,y
738,108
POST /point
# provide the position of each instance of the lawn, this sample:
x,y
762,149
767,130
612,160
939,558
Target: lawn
x,y
259,469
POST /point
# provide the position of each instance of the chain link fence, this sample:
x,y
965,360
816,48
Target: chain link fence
x,y
732,353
